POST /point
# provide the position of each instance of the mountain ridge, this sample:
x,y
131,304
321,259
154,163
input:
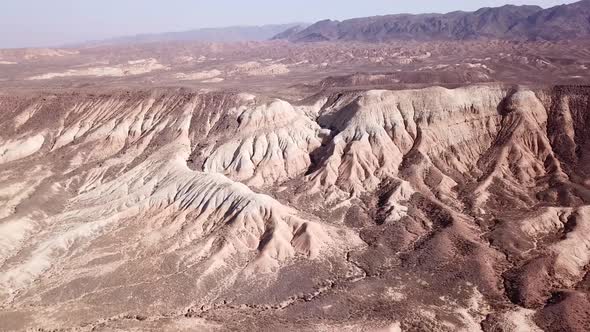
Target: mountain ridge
x,y
525,22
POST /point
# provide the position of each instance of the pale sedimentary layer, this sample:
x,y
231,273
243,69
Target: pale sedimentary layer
x,y
432,205
135,67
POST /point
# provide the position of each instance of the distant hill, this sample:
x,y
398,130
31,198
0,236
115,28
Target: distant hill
x,y
506,22
290,32
228,34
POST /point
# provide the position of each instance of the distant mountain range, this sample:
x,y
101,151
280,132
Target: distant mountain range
x,y
570,21
506,22
228,34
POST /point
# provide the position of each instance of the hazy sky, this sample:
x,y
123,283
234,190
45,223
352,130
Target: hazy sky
x,y
53,22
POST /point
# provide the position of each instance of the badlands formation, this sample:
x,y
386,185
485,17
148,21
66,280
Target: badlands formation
x,y
171,209
271,186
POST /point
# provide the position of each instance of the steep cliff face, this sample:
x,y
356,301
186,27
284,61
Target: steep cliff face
x,y
170,204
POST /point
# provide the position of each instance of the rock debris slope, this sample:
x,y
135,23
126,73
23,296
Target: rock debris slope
x,y
432,209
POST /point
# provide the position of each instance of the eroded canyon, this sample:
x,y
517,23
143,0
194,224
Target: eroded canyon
x,y
434,209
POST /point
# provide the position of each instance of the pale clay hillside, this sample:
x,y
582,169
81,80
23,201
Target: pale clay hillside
x,y
352,180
